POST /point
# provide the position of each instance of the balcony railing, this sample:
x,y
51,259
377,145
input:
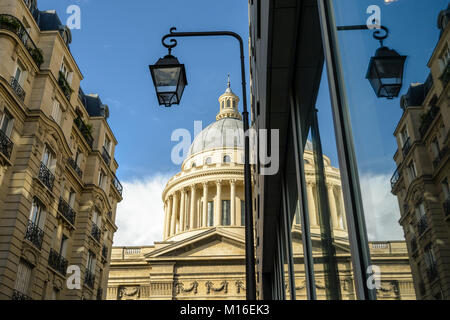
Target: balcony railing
x,y
432,272
17,295
96,232
447,207
6,145
395,178
57,262
106,156
46,176
64,85
85,131
428,119
105,252
437,161
422,225
406,147
11,23
89,279
65,209
17,88
117,185
34,234
75,167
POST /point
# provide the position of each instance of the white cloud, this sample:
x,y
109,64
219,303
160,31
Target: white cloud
x,y
140,215
380,208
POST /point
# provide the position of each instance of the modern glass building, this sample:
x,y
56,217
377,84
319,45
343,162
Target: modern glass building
x,y
338,73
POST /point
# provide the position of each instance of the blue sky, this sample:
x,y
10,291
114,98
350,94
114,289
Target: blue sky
x,y
117,42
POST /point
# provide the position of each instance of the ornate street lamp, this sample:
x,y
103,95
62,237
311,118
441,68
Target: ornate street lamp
x,y
169,79
385,72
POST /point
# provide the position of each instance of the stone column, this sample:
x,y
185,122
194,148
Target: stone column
x,y
218,211
311,204
166,218
192,211
341,202
173,224
205,204
183,210
332,203
169,216
233,202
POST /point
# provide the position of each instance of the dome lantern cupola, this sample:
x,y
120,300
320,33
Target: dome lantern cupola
x,y
228,103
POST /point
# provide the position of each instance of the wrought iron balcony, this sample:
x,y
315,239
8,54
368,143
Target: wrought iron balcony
x,y
75,167
46,176
106,156
65,209
447,207
395,178
6,145
437,161
105,252
432,272
17,295
117,185
89,279
428,119
11,23
96,232
64,85
17,88
34,234
85,131
57,262
422,225
406,147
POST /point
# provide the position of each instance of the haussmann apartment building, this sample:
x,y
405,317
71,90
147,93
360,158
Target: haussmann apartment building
x,y
58,188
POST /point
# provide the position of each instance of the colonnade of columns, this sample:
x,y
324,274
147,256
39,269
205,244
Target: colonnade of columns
x,y
336,204
187,208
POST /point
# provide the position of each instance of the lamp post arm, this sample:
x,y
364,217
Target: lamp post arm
x,y
249,237
377,34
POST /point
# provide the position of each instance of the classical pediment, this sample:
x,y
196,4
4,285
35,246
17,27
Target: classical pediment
x,y
214,243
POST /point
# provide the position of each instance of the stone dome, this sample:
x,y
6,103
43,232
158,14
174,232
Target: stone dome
x,y
223,133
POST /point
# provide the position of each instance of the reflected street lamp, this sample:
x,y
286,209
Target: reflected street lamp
x,y
169,78
385,72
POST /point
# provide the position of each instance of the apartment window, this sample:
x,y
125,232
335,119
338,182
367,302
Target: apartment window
x,y
72,196
412,172
91,263
63,246
445,189
79,158
102,179
97,218
66,72
226,213
242,213
20,73
444,58
435,148
430,259
57,112
23,278
37,214
404,136
210,213
107,145
420,210
49,159
6,123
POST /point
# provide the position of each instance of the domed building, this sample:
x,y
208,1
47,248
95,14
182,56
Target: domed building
x,y
202,253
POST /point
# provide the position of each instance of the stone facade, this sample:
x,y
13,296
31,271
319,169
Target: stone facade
x,y
421,182
202,255
58,189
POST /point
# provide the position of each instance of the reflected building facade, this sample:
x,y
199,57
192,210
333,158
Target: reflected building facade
x,y
421,182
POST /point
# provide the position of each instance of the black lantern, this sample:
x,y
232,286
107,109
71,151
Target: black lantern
x,y
385,72
169,78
